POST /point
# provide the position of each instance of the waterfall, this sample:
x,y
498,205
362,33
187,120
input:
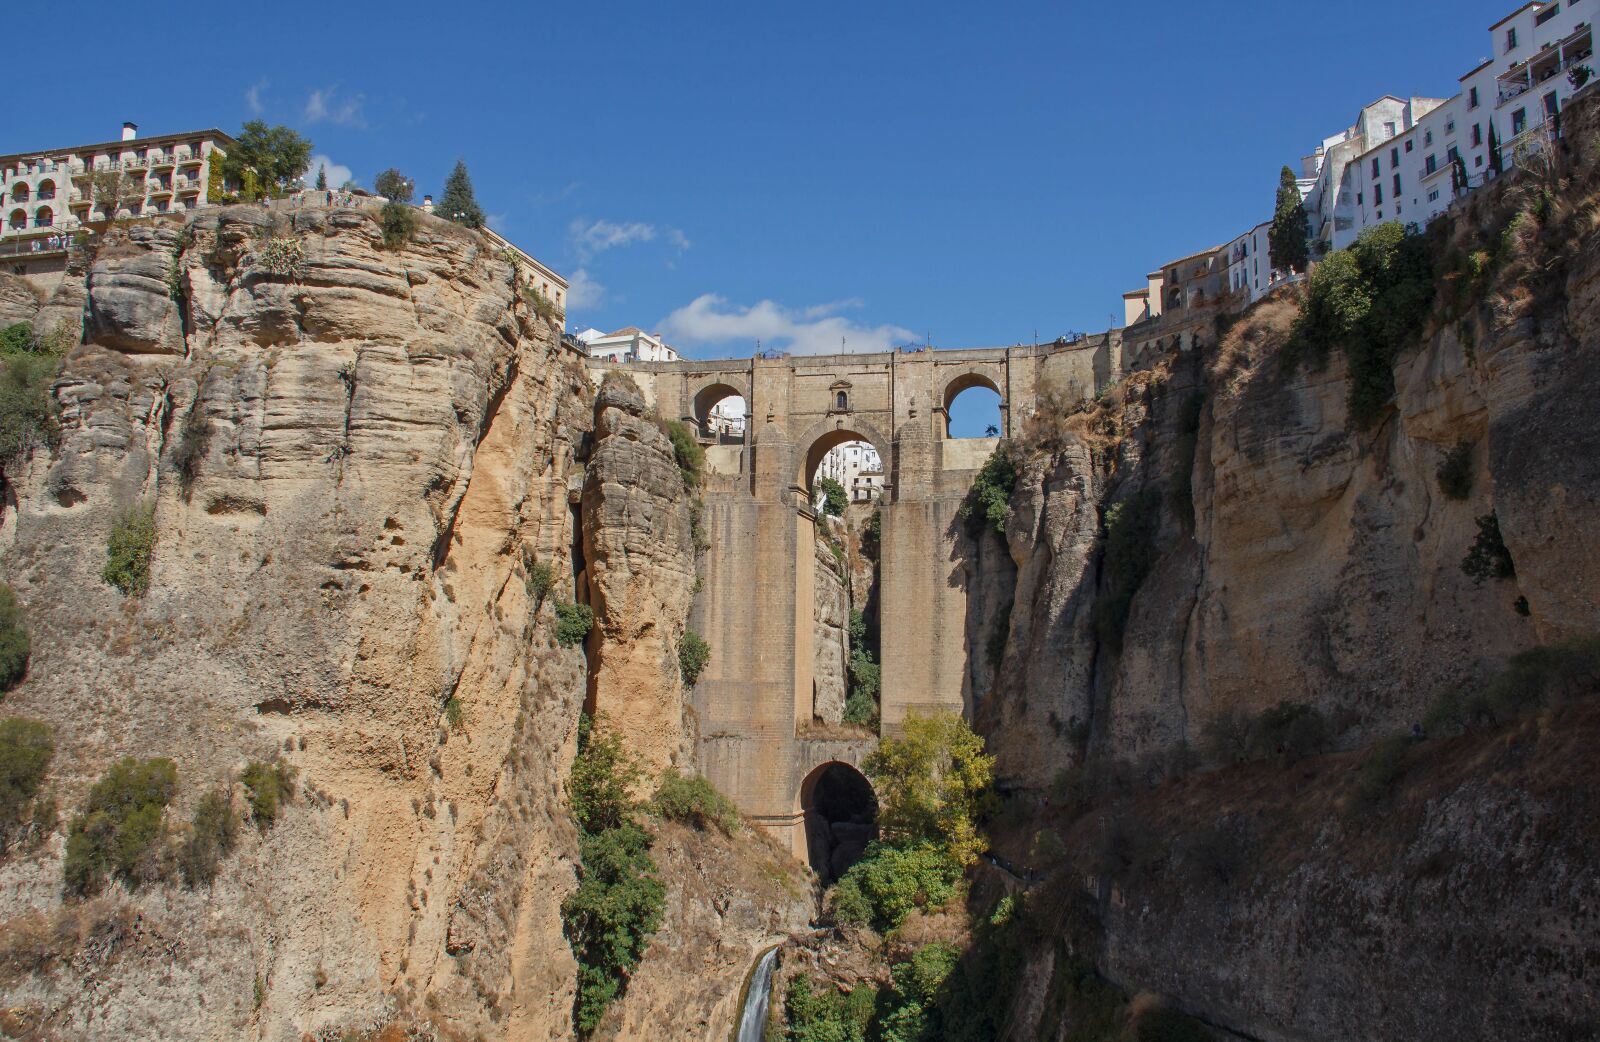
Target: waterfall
x,y
753,1021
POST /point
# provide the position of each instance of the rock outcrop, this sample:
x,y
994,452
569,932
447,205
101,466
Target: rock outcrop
x,y
830,636
638,548
349,452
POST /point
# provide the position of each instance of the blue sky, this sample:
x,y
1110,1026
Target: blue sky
x,y
800,173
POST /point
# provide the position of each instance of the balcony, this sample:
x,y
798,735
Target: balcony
x,y
45,195
159,189
160,162
191,160
186,186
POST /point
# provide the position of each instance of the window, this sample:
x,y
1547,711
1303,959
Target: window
x,y
1433,196
1359,201
1377,197
1472,98
1397,188
1511,39
1519,121
1409,144
1451,155
1450,127
1376,173
1394,158
1547,14
1430,164
1477,134
1388,130
841,401
1551,105
1427,137
1477,160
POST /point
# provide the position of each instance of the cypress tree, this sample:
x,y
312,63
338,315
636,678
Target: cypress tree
x,y
1290,228
1495,161
322,178
458,203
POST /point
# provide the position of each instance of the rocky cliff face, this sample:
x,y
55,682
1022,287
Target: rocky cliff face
x,y
830,637
350,453
639,553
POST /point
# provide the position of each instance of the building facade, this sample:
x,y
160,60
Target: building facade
x,y
536,275
857,467
630,344
47,195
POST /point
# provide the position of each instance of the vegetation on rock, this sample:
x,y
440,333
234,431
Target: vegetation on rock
x,y
989,500
573,623
266,160
119,832
128,549
861,705
541,578
617,907
688,451
693,800
693,654
834,497
822,1013
458,203
890,881
1540,677
213,832
269,786
15,643
28,367
1488,557
933,784
1291,229
394,186
398,222
26,749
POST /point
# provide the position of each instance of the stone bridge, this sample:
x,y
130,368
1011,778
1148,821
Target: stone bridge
x,y
752,708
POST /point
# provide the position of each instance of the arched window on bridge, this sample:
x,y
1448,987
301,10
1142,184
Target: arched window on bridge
x,y
721,414
856,466
841,818
972,409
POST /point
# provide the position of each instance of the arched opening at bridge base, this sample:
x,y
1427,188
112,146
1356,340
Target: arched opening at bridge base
x,y
841,818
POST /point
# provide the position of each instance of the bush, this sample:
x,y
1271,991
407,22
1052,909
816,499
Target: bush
x,y
834,498
603,780
119,832
912,1011
695,801
27,406
686,448
541,579
693,654
1226,736
15,643
269,786
573,623
883,887
452,713
861,708
824,1014
543,306
212,834
133,535
1131,528
1488,557
1540,676
394,186
1289,730
933,784
1371,300
193,440
16,339
26,749
1455,472
1380,769
398,223
989,499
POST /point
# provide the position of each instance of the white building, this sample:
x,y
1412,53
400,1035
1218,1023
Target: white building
x,y
1250,263
44,196
630,344
1543,53
536,275
854,465
1333,202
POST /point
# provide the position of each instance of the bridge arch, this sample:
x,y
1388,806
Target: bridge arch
x,y
840,810
713,393
984,376
826,435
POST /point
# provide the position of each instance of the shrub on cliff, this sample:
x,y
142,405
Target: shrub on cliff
x,y
1455,472
128,548
822,1013
213,831
693,654
834,497
603,780
119,832
933,784
1541,676
541,579
398,223
26,749
989,500
15,643
573,623
1289,730
883,887
690,455
693,800
1488,557
193,440
27,406
394,186
269,786
266,160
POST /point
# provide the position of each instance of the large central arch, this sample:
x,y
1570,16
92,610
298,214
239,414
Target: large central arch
x,y
826,435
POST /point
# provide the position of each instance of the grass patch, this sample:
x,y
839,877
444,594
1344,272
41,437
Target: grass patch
x,y
268,786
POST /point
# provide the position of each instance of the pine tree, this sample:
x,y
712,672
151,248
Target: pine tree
x,y
1496,163
1290,228
322,178
458,203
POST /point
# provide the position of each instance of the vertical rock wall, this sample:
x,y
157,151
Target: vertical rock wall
x,y
831,623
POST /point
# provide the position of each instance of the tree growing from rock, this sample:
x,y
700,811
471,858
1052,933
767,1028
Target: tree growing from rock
x,y
394,186
266,160
458,203
113,190
1290,228
933,785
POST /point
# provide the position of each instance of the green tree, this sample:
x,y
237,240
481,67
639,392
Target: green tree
x,y
112,190
834,497
1290,229
394,186
933,783
322,177
26,749
1496,159
989,499
15,644
266,160
457,202
693,654
603,780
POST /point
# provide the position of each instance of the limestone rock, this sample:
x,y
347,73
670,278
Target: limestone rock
x,y
831,637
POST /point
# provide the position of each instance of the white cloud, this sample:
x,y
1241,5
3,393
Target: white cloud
x,y
327,105
252,98
583,291
710,320
338,173
595,237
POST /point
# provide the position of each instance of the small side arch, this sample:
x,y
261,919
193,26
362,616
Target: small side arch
x,y
720,426
840,810
966,381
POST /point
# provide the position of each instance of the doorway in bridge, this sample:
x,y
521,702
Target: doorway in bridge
x,y
841,818
846,485
972,410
